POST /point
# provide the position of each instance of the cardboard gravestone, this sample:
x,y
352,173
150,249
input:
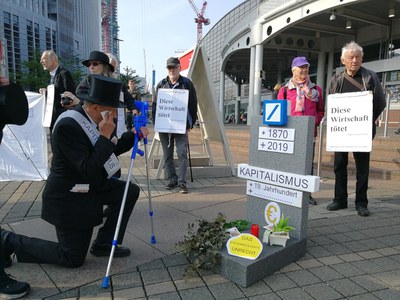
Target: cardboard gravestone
x,y
278,171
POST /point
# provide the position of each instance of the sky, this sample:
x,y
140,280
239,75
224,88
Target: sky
x,y
159,29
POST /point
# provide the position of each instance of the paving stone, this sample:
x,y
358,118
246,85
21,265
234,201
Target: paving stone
x,y
372,244
309,263
389,241
214,279
330,260
326,273
368,266
369,254
226,291
347,269
175,260
270,296
388,294
123,281
356,246
292,267
387,263
338,249
159,288
369,282
155,275
259,288
294,294
346,287
177,272
131,293
364,297
318,252
321,240
391,278
155,264
350,257
339,238
279,282
355,235
195,294
388,251
166,296
184,284
303,277
322,291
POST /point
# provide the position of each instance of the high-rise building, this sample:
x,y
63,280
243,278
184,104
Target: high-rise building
x,y
68,26
109,24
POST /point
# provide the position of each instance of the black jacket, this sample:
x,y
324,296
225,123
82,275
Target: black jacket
x,y
183,83
62,82
77,161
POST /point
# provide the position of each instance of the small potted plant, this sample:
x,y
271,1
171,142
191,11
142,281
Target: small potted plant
x,y
280,232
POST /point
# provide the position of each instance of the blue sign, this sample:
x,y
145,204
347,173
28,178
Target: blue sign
x,y
275,112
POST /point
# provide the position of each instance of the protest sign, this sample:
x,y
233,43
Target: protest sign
x,y
171,113
349,122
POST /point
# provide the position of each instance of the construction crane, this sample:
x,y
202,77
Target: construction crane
x,y
200,19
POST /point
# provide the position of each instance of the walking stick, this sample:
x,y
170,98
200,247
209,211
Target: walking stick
x,y
140,121
190,159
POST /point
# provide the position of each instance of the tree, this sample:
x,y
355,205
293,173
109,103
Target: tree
x,y
71,62
129,75
33,77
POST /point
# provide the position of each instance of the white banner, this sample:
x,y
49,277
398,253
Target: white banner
x,y
48,114
349,122
171,113
23,150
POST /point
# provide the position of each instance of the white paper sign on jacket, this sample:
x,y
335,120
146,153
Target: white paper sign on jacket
x,y
172,108
349,122
23,150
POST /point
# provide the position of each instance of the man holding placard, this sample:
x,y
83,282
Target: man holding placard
x,y
174,114
352,80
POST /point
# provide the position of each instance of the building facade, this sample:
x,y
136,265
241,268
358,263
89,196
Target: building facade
x,y
251,48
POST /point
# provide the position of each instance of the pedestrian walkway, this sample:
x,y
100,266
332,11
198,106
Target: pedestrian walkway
x,y
348,257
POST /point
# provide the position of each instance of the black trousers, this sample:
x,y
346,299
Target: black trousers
x,y
73,244
362,173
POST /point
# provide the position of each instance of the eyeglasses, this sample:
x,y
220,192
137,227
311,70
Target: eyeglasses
x,y
93,63
171,68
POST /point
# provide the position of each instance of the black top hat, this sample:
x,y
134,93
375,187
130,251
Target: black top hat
x,y
13,105
98,56
103,90
173,62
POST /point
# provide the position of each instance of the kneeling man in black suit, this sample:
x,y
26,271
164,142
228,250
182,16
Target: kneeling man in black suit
x,y
81,181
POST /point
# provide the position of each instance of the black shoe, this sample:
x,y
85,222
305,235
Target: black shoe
x,y
12,289
312,201
183,189
105,250
171,185
7,250
397,131
336,206
363,211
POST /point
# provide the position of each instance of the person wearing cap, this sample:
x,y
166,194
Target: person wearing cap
x,y
175,81
305,98
63,84
14,109
80,183
355,78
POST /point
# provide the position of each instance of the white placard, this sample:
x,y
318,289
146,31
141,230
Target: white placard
x,y
274,193
48,113
171,114
306,183
349,122
276,146
272,133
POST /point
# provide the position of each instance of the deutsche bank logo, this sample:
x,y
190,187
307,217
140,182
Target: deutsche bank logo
x,y
275,112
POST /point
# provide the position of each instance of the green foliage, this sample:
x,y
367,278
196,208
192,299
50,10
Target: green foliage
x,y
282,225
239,224
203,246
72,63
129,75
33,77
